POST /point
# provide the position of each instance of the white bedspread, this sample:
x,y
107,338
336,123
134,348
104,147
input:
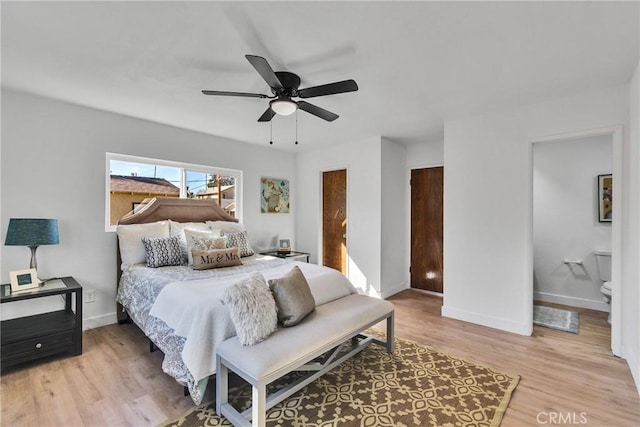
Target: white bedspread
x,y
193,309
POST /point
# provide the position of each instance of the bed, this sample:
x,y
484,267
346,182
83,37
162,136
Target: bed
x,y
177,307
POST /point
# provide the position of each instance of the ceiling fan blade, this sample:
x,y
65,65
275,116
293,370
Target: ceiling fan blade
x,y
243,94
329,89
317,111
267,115
264,69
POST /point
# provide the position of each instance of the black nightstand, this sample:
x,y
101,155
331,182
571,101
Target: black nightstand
x,y
33,337
292,255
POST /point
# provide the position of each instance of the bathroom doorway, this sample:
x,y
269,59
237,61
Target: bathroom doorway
x,y
567,227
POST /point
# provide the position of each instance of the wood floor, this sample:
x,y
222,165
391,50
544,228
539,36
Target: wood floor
x,y
117,382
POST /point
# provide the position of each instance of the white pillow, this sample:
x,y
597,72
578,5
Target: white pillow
x,y
227,226
252,309
130,240
190,234
176,229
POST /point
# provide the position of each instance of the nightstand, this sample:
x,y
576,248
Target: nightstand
x,y
32,337
291,256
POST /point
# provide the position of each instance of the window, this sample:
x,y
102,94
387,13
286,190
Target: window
x,y
130,180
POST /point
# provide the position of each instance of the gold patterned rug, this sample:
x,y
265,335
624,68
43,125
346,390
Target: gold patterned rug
x,y
415,386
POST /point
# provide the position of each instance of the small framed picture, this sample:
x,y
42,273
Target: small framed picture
x,y
605,197
285,245
22,280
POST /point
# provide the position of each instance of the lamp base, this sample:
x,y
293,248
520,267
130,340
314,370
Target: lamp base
x,y
33,263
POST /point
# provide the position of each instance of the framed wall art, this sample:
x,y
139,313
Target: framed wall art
x,y
605,197
274,195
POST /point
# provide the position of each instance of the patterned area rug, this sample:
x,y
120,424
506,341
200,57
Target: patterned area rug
x,y
415,386
555,318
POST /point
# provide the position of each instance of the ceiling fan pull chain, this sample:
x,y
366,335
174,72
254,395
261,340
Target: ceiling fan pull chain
x,y
296,127
271,127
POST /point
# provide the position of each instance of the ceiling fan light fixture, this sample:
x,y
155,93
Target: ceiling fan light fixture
x,y
283,107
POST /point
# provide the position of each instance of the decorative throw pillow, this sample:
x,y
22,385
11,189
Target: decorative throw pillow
x,y
205,244
177,229
293,297
215,258
162,251
252,309
189,234
239,240
132,250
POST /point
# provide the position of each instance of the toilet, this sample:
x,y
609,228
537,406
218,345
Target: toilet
x,y
603,259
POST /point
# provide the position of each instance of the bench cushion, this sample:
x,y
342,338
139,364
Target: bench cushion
x,y
329,325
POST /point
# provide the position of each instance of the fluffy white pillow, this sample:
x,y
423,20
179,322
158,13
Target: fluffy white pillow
x,y
227,226
190,242
252,309
130,240
176,229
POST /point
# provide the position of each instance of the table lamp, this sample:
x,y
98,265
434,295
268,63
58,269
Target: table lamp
x,y
32,232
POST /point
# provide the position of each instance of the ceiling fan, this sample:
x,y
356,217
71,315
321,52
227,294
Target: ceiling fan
x,y
284,86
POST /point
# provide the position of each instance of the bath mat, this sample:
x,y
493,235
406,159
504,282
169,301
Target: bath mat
x,y
555,318
415,386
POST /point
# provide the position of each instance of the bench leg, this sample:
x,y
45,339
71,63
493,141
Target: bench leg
x,y
259,405
390,333
222,385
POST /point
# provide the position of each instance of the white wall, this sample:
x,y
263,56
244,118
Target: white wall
x,y
565,219
394,255
425,154
488,203
365,195
631,243
362,161
53,165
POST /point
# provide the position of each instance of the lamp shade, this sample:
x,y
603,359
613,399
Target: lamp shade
x,y
32,232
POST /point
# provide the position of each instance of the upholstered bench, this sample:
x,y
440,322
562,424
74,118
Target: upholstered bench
x,y
333,330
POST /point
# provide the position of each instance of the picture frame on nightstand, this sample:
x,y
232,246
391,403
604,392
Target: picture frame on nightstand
x,y
285,246
24,280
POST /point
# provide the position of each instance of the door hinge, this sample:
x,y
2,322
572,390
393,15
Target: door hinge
x,y
409,269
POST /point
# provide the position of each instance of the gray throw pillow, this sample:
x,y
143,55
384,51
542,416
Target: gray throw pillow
x,y
252,309
293,297
162,251
239,240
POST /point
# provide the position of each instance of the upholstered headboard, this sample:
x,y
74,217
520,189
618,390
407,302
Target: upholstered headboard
x,y
179,210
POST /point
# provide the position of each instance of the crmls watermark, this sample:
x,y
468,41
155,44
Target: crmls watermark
x,y
562,418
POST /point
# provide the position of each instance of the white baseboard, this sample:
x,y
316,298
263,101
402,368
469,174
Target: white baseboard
x,y
97,321
571,301
490,321
394,290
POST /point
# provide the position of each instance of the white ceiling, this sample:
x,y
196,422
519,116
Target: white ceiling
x,y
417,63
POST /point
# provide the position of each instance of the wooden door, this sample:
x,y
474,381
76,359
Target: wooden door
x,y
427,190
334,220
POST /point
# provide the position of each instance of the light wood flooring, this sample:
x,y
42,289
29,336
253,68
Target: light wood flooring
x,y
117,382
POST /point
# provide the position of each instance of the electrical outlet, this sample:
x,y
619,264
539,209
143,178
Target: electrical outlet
x,y
90,295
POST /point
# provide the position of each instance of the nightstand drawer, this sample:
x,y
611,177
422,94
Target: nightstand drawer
x,y
39,345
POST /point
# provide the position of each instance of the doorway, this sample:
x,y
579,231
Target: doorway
x,y
427,194
334,220
615,135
